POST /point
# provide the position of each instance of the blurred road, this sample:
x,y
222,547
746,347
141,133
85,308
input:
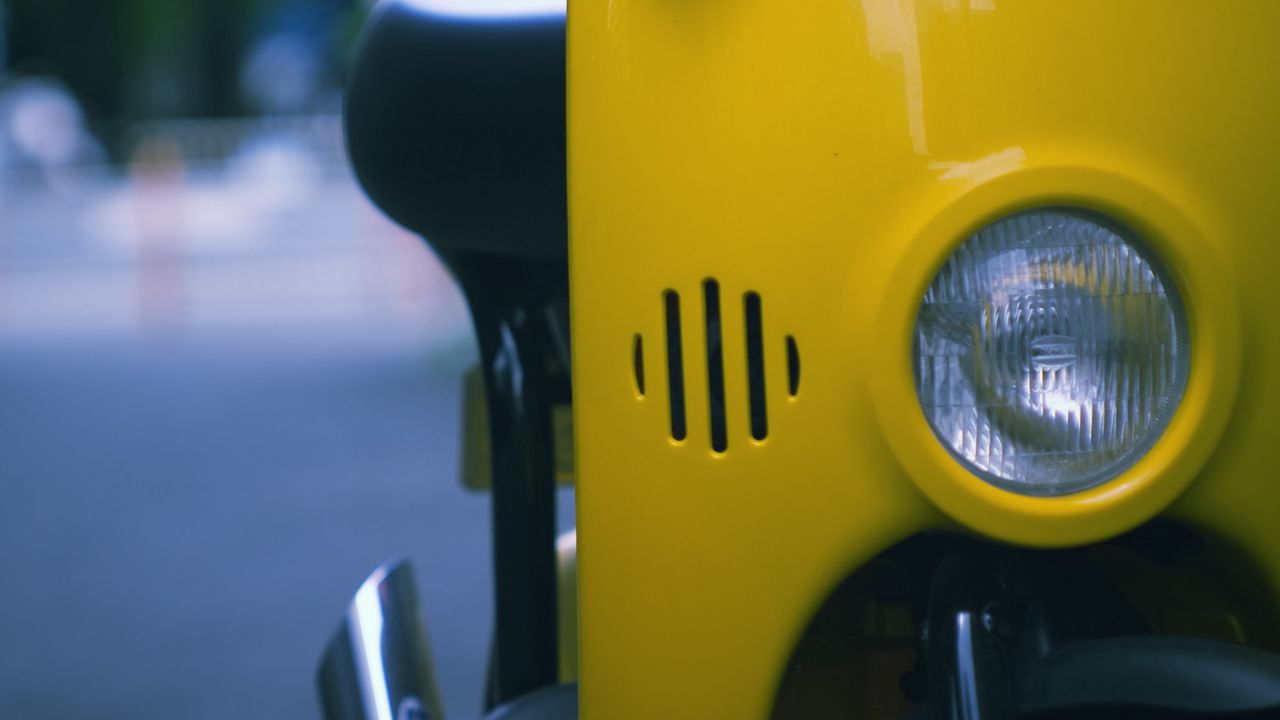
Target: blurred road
x,y
202,456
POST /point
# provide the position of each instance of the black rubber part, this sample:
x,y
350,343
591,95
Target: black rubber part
x,y
554,703
1176,674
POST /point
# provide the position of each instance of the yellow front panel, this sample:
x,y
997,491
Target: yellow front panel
x,y
827,154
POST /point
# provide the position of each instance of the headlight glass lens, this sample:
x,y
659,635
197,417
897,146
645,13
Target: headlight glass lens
x,y
1050,352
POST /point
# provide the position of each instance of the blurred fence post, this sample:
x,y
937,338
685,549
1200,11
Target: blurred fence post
x,y
4,232
157,171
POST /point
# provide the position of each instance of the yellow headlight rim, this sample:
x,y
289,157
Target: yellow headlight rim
x,y
1154,480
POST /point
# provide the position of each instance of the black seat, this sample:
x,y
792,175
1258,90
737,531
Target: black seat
x,y
456,127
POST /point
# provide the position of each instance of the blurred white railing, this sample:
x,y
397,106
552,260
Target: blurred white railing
x,y
226,223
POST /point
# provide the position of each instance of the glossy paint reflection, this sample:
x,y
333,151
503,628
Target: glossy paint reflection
x,y
892,33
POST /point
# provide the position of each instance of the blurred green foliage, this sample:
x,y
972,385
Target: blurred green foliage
x,y
129,59
133,57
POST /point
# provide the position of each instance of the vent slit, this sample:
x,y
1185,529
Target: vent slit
x,y
675,365
637,362
755,366
793,366
715,365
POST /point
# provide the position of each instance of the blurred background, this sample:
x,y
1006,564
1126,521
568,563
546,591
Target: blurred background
x,y
229,388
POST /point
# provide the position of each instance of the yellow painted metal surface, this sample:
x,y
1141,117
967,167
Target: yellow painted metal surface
x,y
827,154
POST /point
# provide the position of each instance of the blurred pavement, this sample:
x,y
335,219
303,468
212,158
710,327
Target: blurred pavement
x,y
226,394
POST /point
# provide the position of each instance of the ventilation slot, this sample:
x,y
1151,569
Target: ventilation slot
x,y
793,366
717,317
755,366
715,365
675,365
637,363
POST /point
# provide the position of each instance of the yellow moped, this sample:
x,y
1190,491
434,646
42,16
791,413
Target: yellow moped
x,y
920,355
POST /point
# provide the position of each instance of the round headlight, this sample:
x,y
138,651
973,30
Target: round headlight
x,y
1050,352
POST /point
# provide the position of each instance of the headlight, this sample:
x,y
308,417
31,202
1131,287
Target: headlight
x,y
1050,352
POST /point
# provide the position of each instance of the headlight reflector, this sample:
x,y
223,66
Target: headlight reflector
x,y
1050,352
